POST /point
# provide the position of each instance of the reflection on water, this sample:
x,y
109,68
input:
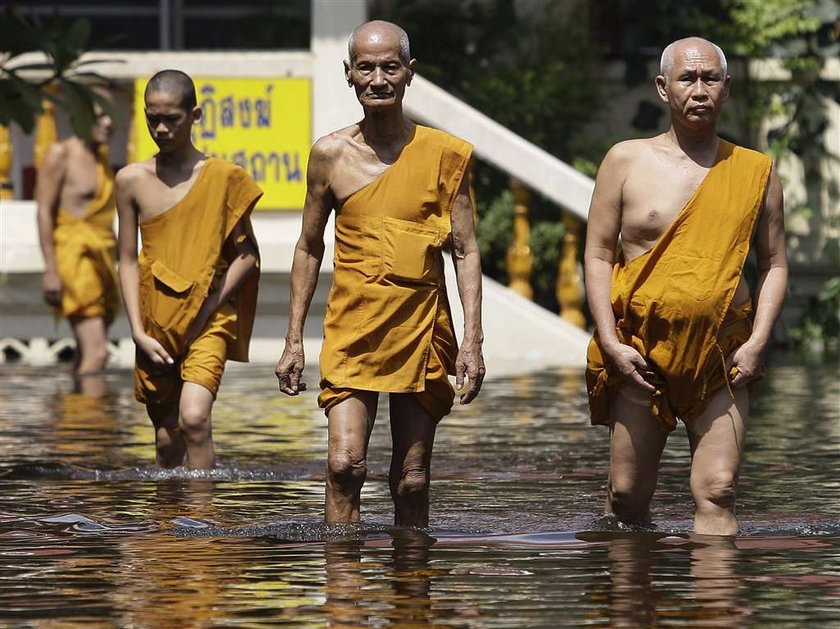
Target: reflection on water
x,y
90,532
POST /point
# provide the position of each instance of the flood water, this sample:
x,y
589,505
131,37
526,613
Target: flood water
x,y
92,534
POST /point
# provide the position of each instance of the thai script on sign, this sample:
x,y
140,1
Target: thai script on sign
x,y
226,110
272,167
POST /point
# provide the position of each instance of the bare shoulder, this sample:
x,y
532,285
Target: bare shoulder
x,y
332,146
57,154
129,175
626,152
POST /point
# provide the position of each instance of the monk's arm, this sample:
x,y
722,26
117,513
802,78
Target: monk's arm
x,y
50,176
602,232
128,269
770,291
309,251
241,250
467,261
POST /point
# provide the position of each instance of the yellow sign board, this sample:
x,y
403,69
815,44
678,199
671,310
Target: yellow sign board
x,y
262,125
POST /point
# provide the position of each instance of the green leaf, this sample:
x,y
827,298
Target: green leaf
x,y
14,109
79,105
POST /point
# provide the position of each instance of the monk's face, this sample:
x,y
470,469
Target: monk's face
x,y
376,71
696,87
169,123
103,126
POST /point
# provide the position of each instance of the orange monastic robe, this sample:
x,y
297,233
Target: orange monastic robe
x,y
388,325
673,302
182,259
85,253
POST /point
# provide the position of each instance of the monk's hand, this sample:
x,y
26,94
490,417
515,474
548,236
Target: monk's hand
x,y
745,365
154,350
290,368
632,366
469,363
51,285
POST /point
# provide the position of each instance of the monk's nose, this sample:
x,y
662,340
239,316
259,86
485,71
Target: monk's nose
x,y
378,77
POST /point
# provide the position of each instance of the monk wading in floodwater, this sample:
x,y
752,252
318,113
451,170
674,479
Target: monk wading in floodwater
x,y
401,193
191,295
673,312
76,209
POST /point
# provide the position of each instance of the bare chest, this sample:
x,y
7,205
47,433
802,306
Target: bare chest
x,y
653,195
155,197
79,185
356,170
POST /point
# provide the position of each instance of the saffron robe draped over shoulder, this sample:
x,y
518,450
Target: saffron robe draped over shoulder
x,y
183,255
85,253
388,327
670,302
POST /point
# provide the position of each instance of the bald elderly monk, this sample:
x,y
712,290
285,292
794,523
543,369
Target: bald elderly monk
x,y
75,199
677,333
191,294
400,192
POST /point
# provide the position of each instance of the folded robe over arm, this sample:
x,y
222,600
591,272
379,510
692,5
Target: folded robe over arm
x,y
673,303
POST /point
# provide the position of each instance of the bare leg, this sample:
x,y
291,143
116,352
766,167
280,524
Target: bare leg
x,y
169,440
91,344
636,444
194,422
413,435
717,442
350,424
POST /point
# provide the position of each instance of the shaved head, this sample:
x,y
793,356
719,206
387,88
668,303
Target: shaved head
x,y
666,63
176,83
377,30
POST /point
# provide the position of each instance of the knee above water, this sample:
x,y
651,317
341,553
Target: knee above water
x,y
626,503
413,482
346,469
193,419
717,488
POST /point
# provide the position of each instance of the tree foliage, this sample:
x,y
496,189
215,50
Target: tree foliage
x,y
67,82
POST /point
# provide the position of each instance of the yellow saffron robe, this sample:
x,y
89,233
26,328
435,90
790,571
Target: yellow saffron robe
x,y
182,261
388,327
85,249
673,302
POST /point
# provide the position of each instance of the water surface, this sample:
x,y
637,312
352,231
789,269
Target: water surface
x,y
91,533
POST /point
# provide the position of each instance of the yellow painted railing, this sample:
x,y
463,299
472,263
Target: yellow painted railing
x,y
569,288
6,191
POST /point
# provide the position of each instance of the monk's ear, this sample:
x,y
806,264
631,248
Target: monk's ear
x,y
347,76
412,68
661,88
196,115
727,83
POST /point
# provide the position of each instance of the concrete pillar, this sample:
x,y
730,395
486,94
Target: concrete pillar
x,y
334,105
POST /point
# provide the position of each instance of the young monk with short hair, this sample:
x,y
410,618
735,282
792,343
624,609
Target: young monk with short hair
x,y
75,197
673,311
191,294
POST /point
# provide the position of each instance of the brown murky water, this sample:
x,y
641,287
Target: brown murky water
x,y
91,534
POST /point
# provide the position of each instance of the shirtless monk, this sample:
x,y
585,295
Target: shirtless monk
x,y
75,197
672,312
190,297
400,192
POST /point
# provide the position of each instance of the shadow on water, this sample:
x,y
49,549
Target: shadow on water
x,y
91,532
